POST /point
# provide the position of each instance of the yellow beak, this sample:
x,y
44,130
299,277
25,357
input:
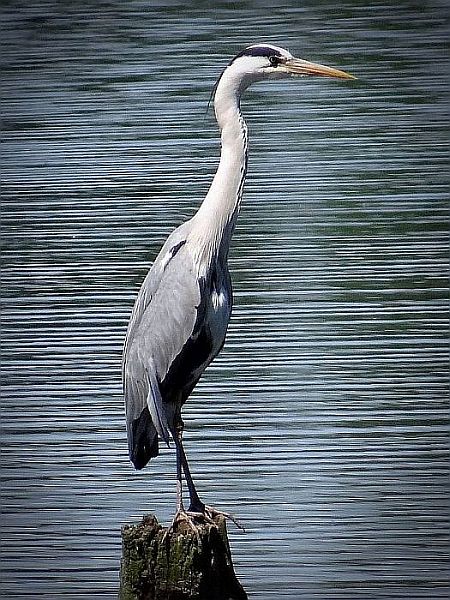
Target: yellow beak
x,y
297,66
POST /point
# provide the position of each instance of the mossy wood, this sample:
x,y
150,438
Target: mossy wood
x,y
181,564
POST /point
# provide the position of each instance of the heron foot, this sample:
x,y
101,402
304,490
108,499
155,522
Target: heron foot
x,y
195,517
209,514
182,516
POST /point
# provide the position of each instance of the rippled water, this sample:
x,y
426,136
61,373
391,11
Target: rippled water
x,y
323,423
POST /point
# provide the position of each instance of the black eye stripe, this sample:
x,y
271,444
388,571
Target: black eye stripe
x,y
259,51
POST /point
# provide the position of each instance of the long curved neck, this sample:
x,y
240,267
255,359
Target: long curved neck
x,y
215,220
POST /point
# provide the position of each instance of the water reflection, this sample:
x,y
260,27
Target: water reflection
x,y
323,423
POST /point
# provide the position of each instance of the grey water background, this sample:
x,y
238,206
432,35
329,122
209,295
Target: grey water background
x,y
323,424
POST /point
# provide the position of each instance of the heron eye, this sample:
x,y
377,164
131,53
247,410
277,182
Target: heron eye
x,y
274,61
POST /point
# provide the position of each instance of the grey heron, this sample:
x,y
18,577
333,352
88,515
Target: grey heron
x,y
182,310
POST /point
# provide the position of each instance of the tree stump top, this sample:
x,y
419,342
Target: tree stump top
x,y
180,564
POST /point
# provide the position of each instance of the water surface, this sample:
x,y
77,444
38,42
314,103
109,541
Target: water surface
x,y
323,423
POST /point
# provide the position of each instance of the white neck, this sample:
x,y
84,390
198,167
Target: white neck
x,y
214,222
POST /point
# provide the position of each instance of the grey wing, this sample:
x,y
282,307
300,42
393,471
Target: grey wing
x,y
163,320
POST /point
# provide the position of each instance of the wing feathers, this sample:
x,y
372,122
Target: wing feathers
x,y
167,346
155,406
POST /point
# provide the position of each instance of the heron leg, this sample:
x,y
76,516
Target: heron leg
x,y
196,505
179,433
197,509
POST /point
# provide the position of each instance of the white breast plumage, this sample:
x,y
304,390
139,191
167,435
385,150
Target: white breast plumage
x,y
218,299
219,315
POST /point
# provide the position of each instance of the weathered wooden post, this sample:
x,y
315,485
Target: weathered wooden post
x,y
180,564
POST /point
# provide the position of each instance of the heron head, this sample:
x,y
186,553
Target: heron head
x,y
259,62
265,61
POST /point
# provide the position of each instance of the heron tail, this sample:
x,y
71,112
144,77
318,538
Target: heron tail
x,y
142,440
